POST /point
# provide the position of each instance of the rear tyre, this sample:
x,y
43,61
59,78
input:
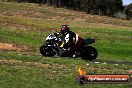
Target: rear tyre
x,y
47,51
89,53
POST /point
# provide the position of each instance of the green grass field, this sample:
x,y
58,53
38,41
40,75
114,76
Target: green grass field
x,y
26,24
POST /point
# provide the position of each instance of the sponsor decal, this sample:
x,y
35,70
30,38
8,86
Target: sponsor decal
x,y
102,78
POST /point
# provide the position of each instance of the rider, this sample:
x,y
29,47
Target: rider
x,y
72,40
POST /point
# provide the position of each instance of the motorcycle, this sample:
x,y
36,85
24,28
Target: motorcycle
x,y
53,46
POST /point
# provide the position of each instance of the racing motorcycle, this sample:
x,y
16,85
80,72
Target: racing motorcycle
x,y
53,46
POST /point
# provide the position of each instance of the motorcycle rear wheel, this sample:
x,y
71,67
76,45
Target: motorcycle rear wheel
x,y
89,53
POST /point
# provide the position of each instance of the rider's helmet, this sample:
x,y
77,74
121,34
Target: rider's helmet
x,y
64,29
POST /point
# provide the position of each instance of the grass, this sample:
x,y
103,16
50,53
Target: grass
x,y
53,77
21,37
20,25
19,56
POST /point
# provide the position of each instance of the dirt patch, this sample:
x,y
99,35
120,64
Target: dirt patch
x,y
13,23
57,18
17,62
12,47
38,14
79,19
39,64
4,22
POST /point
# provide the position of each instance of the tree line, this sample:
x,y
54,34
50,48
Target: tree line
x,y
98,7
128,11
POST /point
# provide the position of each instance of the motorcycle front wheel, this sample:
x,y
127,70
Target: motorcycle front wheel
x,y
47,51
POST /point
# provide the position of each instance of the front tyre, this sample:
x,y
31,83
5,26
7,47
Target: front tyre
x,y
47,51
89,53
